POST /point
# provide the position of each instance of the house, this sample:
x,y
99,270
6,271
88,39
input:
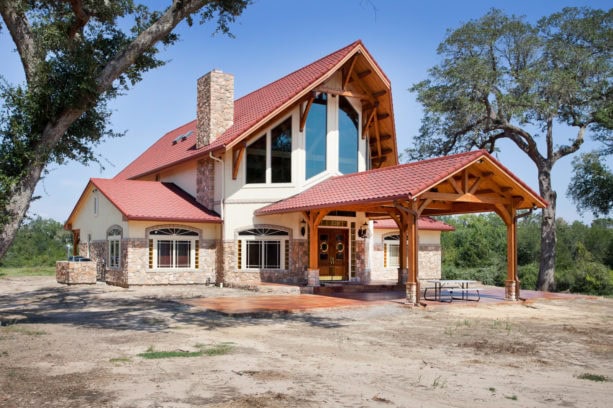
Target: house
x,y
284,185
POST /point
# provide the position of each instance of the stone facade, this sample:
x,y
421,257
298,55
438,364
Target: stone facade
x,y
215,106
295,274
205,183
72,273
429,261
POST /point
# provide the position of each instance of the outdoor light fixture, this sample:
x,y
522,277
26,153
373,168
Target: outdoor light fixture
x,y
302,227
363,231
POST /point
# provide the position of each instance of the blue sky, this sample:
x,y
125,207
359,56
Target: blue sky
x,y
272,39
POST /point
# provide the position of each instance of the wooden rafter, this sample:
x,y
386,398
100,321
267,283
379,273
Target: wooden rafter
x,y
305,113
369,120
341,92
237,155
348,74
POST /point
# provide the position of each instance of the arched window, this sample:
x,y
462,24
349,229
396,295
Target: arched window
x,y
391,251
316,137
263,248
173,248
113,236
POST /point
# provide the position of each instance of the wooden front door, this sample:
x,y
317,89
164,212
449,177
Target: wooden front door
x,y
333,254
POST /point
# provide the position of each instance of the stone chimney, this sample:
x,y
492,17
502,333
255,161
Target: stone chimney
x,y
215,106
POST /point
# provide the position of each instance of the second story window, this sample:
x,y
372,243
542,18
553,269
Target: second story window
x,y
348,120
269,158
316,136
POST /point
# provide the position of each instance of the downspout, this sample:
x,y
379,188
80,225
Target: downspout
x,y
221,209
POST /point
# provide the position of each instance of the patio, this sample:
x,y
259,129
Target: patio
x,y
327,299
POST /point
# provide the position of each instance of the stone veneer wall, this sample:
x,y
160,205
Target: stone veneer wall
x,y
429,259
295,274
215,106
139,273
72,273
360,261
205,183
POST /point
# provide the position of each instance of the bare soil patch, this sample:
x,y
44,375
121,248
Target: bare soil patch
x,y
79,346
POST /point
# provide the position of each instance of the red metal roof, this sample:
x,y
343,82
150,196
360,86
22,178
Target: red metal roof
x,y
152,200
250,111
423,223
384,185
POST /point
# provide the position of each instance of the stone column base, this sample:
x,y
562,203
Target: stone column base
x,y
411,288
312,277
403,275
510,292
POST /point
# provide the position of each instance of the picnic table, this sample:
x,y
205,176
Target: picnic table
x,y
447,290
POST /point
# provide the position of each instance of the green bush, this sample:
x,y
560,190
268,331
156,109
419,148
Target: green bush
x,y
591,278
528,275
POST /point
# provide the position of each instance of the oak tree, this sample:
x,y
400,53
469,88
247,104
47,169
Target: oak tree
x,y
77,55
502,77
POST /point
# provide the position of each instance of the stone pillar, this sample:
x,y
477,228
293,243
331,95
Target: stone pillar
x,y
510,292
215,110
313,277
411,293
403,274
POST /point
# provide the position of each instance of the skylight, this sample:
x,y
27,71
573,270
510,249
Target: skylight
x,y
182,137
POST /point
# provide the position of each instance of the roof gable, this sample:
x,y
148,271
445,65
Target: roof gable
x,y
149,200
251,112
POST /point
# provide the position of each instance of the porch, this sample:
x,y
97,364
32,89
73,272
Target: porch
x,y
346,296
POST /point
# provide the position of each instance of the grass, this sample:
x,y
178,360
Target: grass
x,y
120,360
203,350
593,377
14,328
6,271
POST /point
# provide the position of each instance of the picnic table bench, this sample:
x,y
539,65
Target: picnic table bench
x,y
448,290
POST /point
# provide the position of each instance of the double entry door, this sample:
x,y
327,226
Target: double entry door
x,y
333,254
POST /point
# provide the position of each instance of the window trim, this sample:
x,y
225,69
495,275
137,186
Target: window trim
x,y
262,234
268,170
193,237
114,236
387,243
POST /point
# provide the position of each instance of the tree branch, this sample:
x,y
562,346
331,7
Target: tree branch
x,y
158,30
81,17
566,150
19,27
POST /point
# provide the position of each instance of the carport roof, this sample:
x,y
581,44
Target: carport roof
x,y
359,191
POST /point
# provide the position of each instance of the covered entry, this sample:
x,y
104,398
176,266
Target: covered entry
x,y
469,182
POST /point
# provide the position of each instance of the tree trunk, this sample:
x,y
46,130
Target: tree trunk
x,y
546,280
18,205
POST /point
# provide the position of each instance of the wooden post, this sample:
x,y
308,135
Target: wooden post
x,y
512,282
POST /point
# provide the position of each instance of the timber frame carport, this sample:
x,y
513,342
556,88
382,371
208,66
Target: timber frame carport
x,y
472,182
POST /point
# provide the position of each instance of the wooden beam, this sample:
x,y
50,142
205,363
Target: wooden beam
x,y
237,155
305,113
354,59
379,93
364,74
369,120
383,116
454,184
384,137
340,92
384,151
467,198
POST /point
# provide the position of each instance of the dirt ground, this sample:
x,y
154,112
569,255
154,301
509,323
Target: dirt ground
x,y
79,347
